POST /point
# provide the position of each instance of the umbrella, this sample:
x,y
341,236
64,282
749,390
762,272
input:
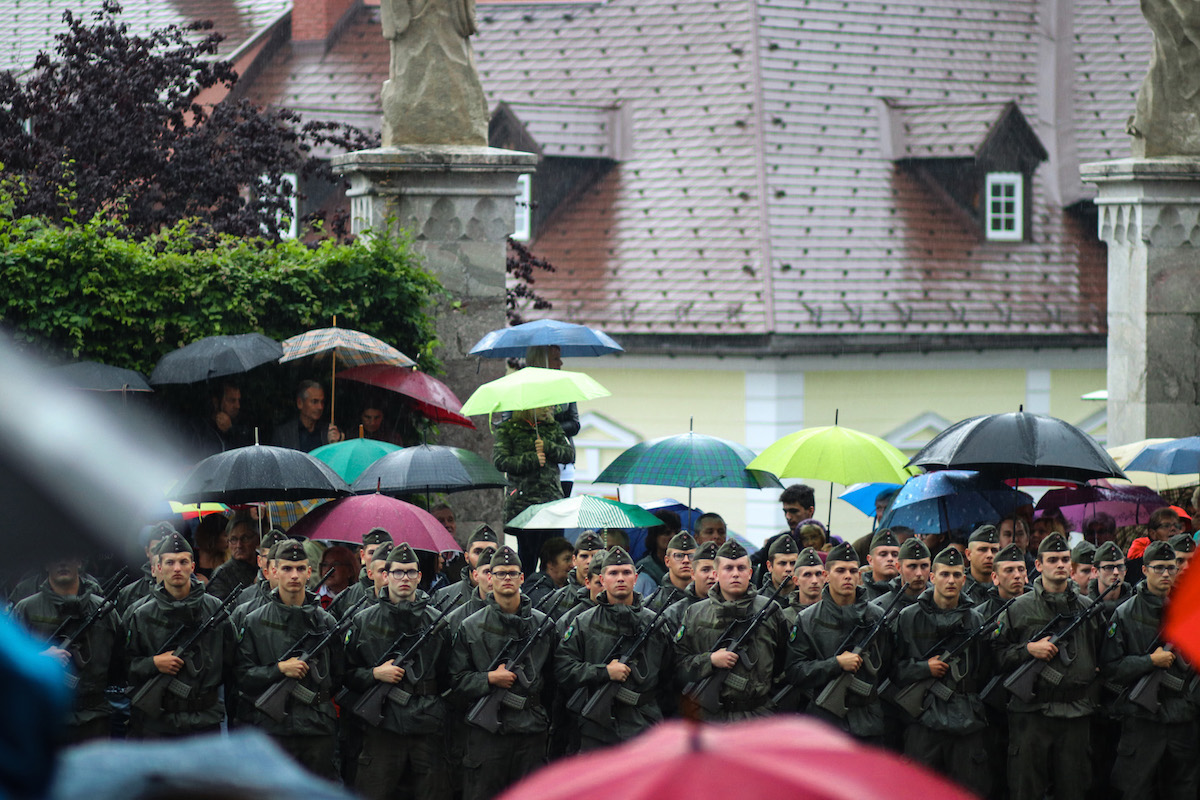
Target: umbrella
x,y
429,468
571,339
1128,505
1172,457
790,756
196,510
1019,445
833,453
532,387
348,518
1181,617
688,459
583,512
215,356
951,499
350,457
429,396
863,495
96,377
259,472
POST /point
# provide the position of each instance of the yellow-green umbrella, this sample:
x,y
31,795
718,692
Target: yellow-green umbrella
x,y
533,387
836,454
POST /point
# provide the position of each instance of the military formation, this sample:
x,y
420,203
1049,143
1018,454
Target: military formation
x,y
1014,688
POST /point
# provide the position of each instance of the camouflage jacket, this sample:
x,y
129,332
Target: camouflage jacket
x,y
515,455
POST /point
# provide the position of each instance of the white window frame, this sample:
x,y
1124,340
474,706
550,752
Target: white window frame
x,y
996,191
523,215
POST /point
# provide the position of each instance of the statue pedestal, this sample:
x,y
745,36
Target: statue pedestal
x,y
458,203
1150,219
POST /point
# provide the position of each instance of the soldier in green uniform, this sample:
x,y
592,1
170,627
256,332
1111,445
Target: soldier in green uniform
x,y
754,667
258,592
480,657
165,617
1049,735
780,566
150,537
1009,579
456,727
982,546
406,739
674,583
883,559
292,618
704,578
913,578
1156,756
587,546
564,728
557,556
1185,547
1109,568
1082,567
949,735
809,577
367,584
588,656
483,538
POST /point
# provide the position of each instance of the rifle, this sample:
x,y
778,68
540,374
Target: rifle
x,y
1021,683
598,707
833,697
108,595
912,698
1145,692
706,692
486,711
370,705
149,698
274,700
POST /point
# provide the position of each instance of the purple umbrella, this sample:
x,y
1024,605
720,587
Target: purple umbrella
x,y
1128,505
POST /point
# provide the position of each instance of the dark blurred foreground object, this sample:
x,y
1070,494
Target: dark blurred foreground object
x,y
36,701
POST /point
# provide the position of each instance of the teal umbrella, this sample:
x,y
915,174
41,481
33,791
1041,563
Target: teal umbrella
x,y
349,458
583,512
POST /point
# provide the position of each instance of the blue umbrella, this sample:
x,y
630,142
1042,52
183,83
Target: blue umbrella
x,y
863,495
1176,457
939,502
572,340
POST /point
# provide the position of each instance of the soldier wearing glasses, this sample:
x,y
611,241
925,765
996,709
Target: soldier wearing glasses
x,y
674,583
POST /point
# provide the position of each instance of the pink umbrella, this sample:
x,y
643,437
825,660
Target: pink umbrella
x,y
1128,505
347,519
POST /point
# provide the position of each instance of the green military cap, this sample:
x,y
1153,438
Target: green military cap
x,y
155,533
274,549
377,536
731,549
985,533
884,538
506,557
485,558
1010,552
483,533
273,537
595,566
173,543
705,552
1054,543
808,558
1083,553
616,557
783,545
402,554
1158,551
913,550
843,552
588,542
949,557
381,552
1183,543
291,550
682,541
1108,552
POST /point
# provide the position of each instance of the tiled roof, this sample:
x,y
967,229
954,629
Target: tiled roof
x,y
570,131
1112,44
946,130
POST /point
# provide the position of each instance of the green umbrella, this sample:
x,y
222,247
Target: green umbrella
x,y
583,511
349,458
532,387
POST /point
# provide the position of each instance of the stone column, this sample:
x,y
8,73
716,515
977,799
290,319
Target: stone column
x,y
457,202
1150,219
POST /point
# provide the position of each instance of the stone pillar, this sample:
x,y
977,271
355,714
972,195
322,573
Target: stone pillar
x,y
457,203
1150,219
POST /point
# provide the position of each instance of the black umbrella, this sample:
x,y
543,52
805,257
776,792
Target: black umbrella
x,y
258,472
214,357
1018,445
97,377
429,468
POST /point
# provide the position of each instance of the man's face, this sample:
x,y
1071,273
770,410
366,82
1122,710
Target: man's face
x,y
1081,574
1108,573
1166,528
474,551
559,568
377,574
293,576
948,582
795,513
1055,567
507,580
1011,577
243,542
1041,529
711,530
843,579
367,551
580,562
64,573
915,572
809,582
446,517
1182,559
885,563
339,560
1010,532
733,576
176,569
881,505
1160,577
679,564
231,402
403,578
981,556
311,405
372,420
483,578
704,575
781,568
618,582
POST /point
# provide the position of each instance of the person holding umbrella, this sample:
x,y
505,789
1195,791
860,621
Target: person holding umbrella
x,y
566,414
529,447
303,432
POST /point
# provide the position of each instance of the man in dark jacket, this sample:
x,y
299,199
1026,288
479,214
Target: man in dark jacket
x,y
982,546
457,593
674,583
242,568
884,563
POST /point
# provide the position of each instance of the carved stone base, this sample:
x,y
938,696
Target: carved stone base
x,y
457,203
1150,219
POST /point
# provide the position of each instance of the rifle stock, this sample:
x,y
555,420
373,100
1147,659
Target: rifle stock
x,y
370,707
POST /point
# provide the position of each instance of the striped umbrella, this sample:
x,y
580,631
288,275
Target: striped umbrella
x,y
583,512
350,348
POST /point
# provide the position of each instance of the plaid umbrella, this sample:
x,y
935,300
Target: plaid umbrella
x,y
352,348
283,514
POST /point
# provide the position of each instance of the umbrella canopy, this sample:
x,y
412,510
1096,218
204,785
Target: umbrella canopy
x,y
431,398
1128,505
583,511
863,495
214,357
787,756
951,499
196,510
533,387
348,347
1181,617
1172,457
1019,445
258,472
688,459
429,468
833,453
350,457
348,518
96,377
572,340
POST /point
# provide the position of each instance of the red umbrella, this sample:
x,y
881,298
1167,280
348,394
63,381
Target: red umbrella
x,y
347,519
779,758
1181,618
431,397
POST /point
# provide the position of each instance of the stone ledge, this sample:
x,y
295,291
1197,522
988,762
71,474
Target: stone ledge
x,y
436,158
1166,168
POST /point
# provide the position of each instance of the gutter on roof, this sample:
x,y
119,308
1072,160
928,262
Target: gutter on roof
x,y
778,345
265,32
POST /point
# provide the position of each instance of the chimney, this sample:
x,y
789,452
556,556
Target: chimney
x,y
315,20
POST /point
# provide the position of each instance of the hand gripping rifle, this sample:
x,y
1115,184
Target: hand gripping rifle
x,y
598,706
1023,680
706,692
912,698
370,706
833,697
1145,692
486,711
149,698
274,700
108,600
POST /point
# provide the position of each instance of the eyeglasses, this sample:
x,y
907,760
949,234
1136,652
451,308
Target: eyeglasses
x,y
1112,568
681,556
404,573
1163,569
503,574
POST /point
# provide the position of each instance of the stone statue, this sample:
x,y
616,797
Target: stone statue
x,y
433,94
1167,122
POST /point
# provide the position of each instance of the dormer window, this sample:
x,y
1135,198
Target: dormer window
x,y
1004,217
